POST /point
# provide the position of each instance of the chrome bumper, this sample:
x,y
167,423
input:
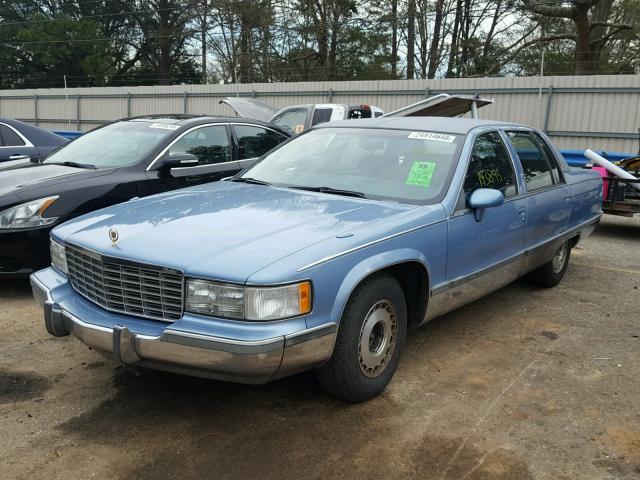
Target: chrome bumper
x,y
195,354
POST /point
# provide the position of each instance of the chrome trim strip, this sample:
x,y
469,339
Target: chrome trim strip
x,y
222,344
83,324
120,260
368,244
228,341
203,165
310,334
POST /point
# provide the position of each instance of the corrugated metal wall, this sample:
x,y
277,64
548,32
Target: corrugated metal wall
x,y
598,112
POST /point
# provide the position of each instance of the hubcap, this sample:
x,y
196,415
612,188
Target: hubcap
x,y
377,338
559,258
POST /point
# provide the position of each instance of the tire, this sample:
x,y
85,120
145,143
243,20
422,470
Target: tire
x,y
550,274
369,343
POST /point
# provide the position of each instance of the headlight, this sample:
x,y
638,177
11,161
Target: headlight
x,y
27,215
58,255
250,303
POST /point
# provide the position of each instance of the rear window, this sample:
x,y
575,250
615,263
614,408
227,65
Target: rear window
x,y
292,120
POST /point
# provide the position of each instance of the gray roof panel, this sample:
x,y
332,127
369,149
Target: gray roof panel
x,y
460,126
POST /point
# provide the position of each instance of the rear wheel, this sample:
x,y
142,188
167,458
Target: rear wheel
x,y
550,274
370,341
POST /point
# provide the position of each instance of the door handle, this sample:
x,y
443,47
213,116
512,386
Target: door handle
x,y
19,157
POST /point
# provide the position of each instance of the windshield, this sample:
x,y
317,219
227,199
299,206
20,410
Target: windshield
x,y
116,145
405,166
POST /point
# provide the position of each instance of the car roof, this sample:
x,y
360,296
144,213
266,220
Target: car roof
x,y
187,120
454,125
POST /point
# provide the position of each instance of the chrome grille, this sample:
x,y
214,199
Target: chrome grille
x,y
140,290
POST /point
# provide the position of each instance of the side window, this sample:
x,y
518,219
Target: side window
x,y
537,170
10,138
490,167
209,144
254,142
292,120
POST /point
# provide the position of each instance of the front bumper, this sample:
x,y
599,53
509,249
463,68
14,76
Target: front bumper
x,y
168,347
23,252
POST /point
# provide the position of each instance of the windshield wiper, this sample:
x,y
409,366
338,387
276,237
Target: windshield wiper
x,y
72,164
255,181
333,191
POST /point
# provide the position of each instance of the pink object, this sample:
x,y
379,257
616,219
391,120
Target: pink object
x,y
605,183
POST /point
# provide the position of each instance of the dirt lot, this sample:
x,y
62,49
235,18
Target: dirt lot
x,y
524,384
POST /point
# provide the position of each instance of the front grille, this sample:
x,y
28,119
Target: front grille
x,y
140,290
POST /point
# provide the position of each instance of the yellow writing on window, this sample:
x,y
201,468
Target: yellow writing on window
x,y
489,177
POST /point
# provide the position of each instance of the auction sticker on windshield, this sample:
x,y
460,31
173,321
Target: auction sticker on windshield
x,y
164,126
420,174
437,137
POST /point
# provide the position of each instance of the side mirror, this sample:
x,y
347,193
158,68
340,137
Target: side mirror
x,y
485,198
177,160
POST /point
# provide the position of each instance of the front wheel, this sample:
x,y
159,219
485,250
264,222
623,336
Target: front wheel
x,y
370,341
550,274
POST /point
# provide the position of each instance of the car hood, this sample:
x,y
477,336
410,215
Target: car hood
x,y
23,179
222,230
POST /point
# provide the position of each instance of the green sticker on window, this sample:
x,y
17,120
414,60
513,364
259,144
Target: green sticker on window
x,y
421,174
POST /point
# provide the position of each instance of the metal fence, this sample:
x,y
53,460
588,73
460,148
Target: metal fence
x,y
597,112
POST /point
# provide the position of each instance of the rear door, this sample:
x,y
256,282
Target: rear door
x,y
14,146
548,196
253,141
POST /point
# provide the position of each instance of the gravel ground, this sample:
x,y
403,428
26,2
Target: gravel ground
x,y
523,384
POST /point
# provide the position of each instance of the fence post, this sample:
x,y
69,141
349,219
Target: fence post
x,y
128,104
548,112
35,108
255,95
331,95
78,112
426,92
184,102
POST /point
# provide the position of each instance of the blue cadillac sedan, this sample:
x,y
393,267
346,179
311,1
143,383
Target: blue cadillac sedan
x,y
322,254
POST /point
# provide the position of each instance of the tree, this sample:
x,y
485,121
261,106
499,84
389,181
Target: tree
x,y
591,28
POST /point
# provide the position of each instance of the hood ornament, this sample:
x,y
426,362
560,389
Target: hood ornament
x,y
113,235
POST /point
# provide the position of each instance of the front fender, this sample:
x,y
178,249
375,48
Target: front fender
x,y
370,265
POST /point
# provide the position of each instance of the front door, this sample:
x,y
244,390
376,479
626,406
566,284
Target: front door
x,y
212,145
496,241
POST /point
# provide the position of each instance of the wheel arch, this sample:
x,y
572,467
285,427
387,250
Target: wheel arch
x,y
405,266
